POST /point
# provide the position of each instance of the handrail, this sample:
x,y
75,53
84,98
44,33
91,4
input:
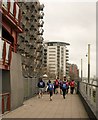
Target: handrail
x,y
89,93
90,84
2,94
5,102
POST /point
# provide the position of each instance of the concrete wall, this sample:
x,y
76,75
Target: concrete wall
x,y
16,80
5,81
30,87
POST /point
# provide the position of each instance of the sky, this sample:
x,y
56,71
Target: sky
x,y
73,22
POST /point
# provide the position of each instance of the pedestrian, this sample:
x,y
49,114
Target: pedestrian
x,y
60,84
64,87
72,86
56,85
47,89
41,86
67,83
50,89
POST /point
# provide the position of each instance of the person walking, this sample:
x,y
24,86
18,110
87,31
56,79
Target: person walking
x,y
41,86
47,89
56,85
50,89
64,87
67,89
72,86
60,84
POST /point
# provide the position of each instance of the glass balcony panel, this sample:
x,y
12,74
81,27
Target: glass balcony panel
x,y
1,48
4,4
11,6
17,11
7,51
0,30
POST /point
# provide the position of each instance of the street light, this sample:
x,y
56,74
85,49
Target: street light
x,y
88,63
81,71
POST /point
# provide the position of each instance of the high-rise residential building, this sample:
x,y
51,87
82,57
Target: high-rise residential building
x,y
30,45
56,58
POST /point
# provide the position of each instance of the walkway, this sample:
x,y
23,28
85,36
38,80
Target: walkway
x,y
70,107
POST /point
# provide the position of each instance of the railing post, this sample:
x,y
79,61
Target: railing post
x,y
97,102
77,87
97,58
8,102
2,104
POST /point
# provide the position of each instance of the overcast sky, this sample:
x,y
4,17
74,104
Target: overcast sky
x,y
74,23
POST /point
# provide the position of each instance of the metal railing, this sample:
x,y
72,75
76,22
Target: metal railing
x,y
88,92
5,101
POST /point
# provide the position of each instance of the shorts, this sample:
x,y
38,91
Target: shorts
x,y
41,90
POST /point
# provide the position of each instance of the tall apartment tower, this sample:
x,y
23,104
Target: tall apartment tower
x,y
55,58
30,45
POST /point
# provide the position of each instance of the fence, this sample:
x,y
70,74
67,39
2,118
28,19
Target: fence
x,y
5,102
89,93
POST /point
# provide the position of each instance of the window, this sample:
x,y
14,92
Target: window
x,y
52,48
12,6
7,51
52,67
51,61
51,54
51,57
1,48
17,11
4,3
52,51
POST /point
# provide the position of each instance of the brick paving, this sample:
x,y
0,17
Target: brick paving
x,y
70,107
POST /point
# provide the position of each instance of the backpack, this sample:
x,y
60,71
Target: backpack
x,y
41,84
64,86
56,83
72,84
50,87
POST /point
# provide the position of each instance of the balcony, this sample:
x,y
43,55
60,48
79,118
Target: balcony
x,y
67,59
40,24
67,56
67,53
41,15
67,50
40,32
41,7
39,48
11,13
5,53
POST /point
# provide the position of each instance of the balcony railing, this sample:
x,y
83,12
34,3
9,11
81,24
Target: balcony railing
x,y
41,15
5,100
88,91
5,52
40,24
12,9
41,7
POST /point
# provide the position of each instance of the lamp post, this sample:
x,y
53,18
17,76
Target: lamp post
x,y
88,63
81,70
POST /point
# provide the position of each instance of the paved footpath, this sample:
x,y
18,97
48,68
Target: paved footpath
x,y
70,107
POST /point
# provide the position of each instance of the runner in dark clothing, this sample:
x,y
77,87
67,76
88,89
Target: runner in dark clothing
x,y
50,88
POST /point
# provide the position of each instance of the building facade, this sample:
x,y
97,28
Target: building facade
x,y
30,45
11,94
55,58
21,51
74,71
